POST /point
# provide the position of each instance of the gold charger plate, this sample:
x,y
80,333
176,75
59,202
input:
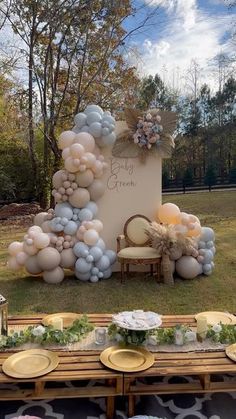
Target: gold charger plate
x,y
67,318
231,352
127,359
31,363
214,317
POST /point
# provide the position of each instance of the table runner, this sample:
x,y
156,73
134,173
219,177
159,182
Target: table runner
x,y
88,344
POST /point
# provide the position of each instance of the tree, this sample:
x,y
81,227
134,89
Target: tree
x,y
210,177
74,53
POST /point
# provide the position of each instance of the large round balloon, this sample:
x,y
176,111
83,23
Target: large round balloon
x,y
40,218
41,240
68,258
48,258
66,139
86,140
96,189
84,179
14,248
169,213
79,198
32,266
188,267
91,237
55,276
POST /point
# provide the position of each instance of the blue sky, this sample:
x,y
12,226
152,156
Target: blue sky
x,y
183,30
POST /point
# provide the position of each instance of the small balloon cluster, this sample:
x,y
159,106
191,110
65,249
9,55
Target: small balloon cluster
x,y
206,250
199,258
99,124
148,131
68,236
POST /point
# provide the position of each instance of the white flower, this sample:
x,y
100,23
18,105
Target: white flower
x,y
217,328
38,331
118,337
190,336
152,340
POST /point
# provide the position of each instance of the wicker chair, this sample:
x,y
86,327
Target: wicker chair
x,y
136,249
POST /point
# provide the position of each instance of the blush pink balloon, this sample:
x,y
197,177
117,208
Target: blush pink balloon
x,y
65,153
91,159
14,248
21,258
91,237
13,264
66,139
97,225
77,150
86,140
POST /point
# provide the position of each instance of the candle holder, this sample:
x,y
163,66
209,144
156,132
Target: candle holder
x,y
100,336
3,316
201,328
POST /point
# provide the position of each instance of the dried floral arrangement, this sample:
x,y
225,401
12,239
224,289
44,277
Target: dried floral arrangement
x,y
148,132
168,241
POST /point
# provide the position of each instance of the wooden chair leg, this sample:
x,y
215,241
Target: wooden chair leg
x,y
122,278
127,268
151,269
158,271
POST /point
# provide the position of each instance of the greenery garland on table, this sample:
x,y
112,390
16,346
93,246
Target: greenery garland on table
x,y
159,336
48,335
222,333
225,334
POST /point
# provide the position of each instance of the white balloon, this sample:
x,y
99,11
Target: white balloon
x,y
188,267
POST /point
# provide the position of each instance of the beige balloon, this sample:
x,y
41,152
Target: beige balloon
x,y
46,227
57,180
40,218
32,266
68,258
41,241
13,264
54,276
30,249
79,198
96,189
85,179
48,258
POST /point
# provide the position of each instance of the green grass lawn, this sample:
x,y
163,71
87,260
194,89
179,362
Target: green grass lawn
x,y
28,294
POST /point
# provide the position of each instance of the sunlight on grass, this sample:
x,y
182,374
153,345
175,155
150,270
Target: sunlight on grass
x,y
28,294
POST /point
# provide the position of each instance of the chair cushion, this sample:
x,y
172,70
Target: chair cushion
x,y
135,230
138,253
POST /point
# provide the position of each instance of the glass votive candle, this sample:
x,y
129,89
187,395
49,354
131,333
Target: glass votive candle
x,y
100,335
201,328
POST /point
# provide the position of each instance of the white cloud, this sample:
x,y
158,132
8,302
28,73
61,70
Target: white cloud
x,y
190,33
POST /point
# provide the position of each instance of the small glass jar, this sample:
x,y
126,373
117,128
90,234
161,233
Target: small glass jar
x,y
179,337
100,335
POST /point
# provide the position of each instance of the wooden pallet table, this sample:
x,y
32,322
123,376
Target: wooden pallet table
x,y
205,367
76,366
81,366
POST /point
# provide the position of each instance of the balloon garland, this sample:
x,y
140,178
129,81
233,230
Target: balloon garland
x,y
68,236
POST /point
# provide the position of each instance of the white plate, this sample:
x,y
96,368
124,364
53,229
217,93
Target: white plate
x,y
137,320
